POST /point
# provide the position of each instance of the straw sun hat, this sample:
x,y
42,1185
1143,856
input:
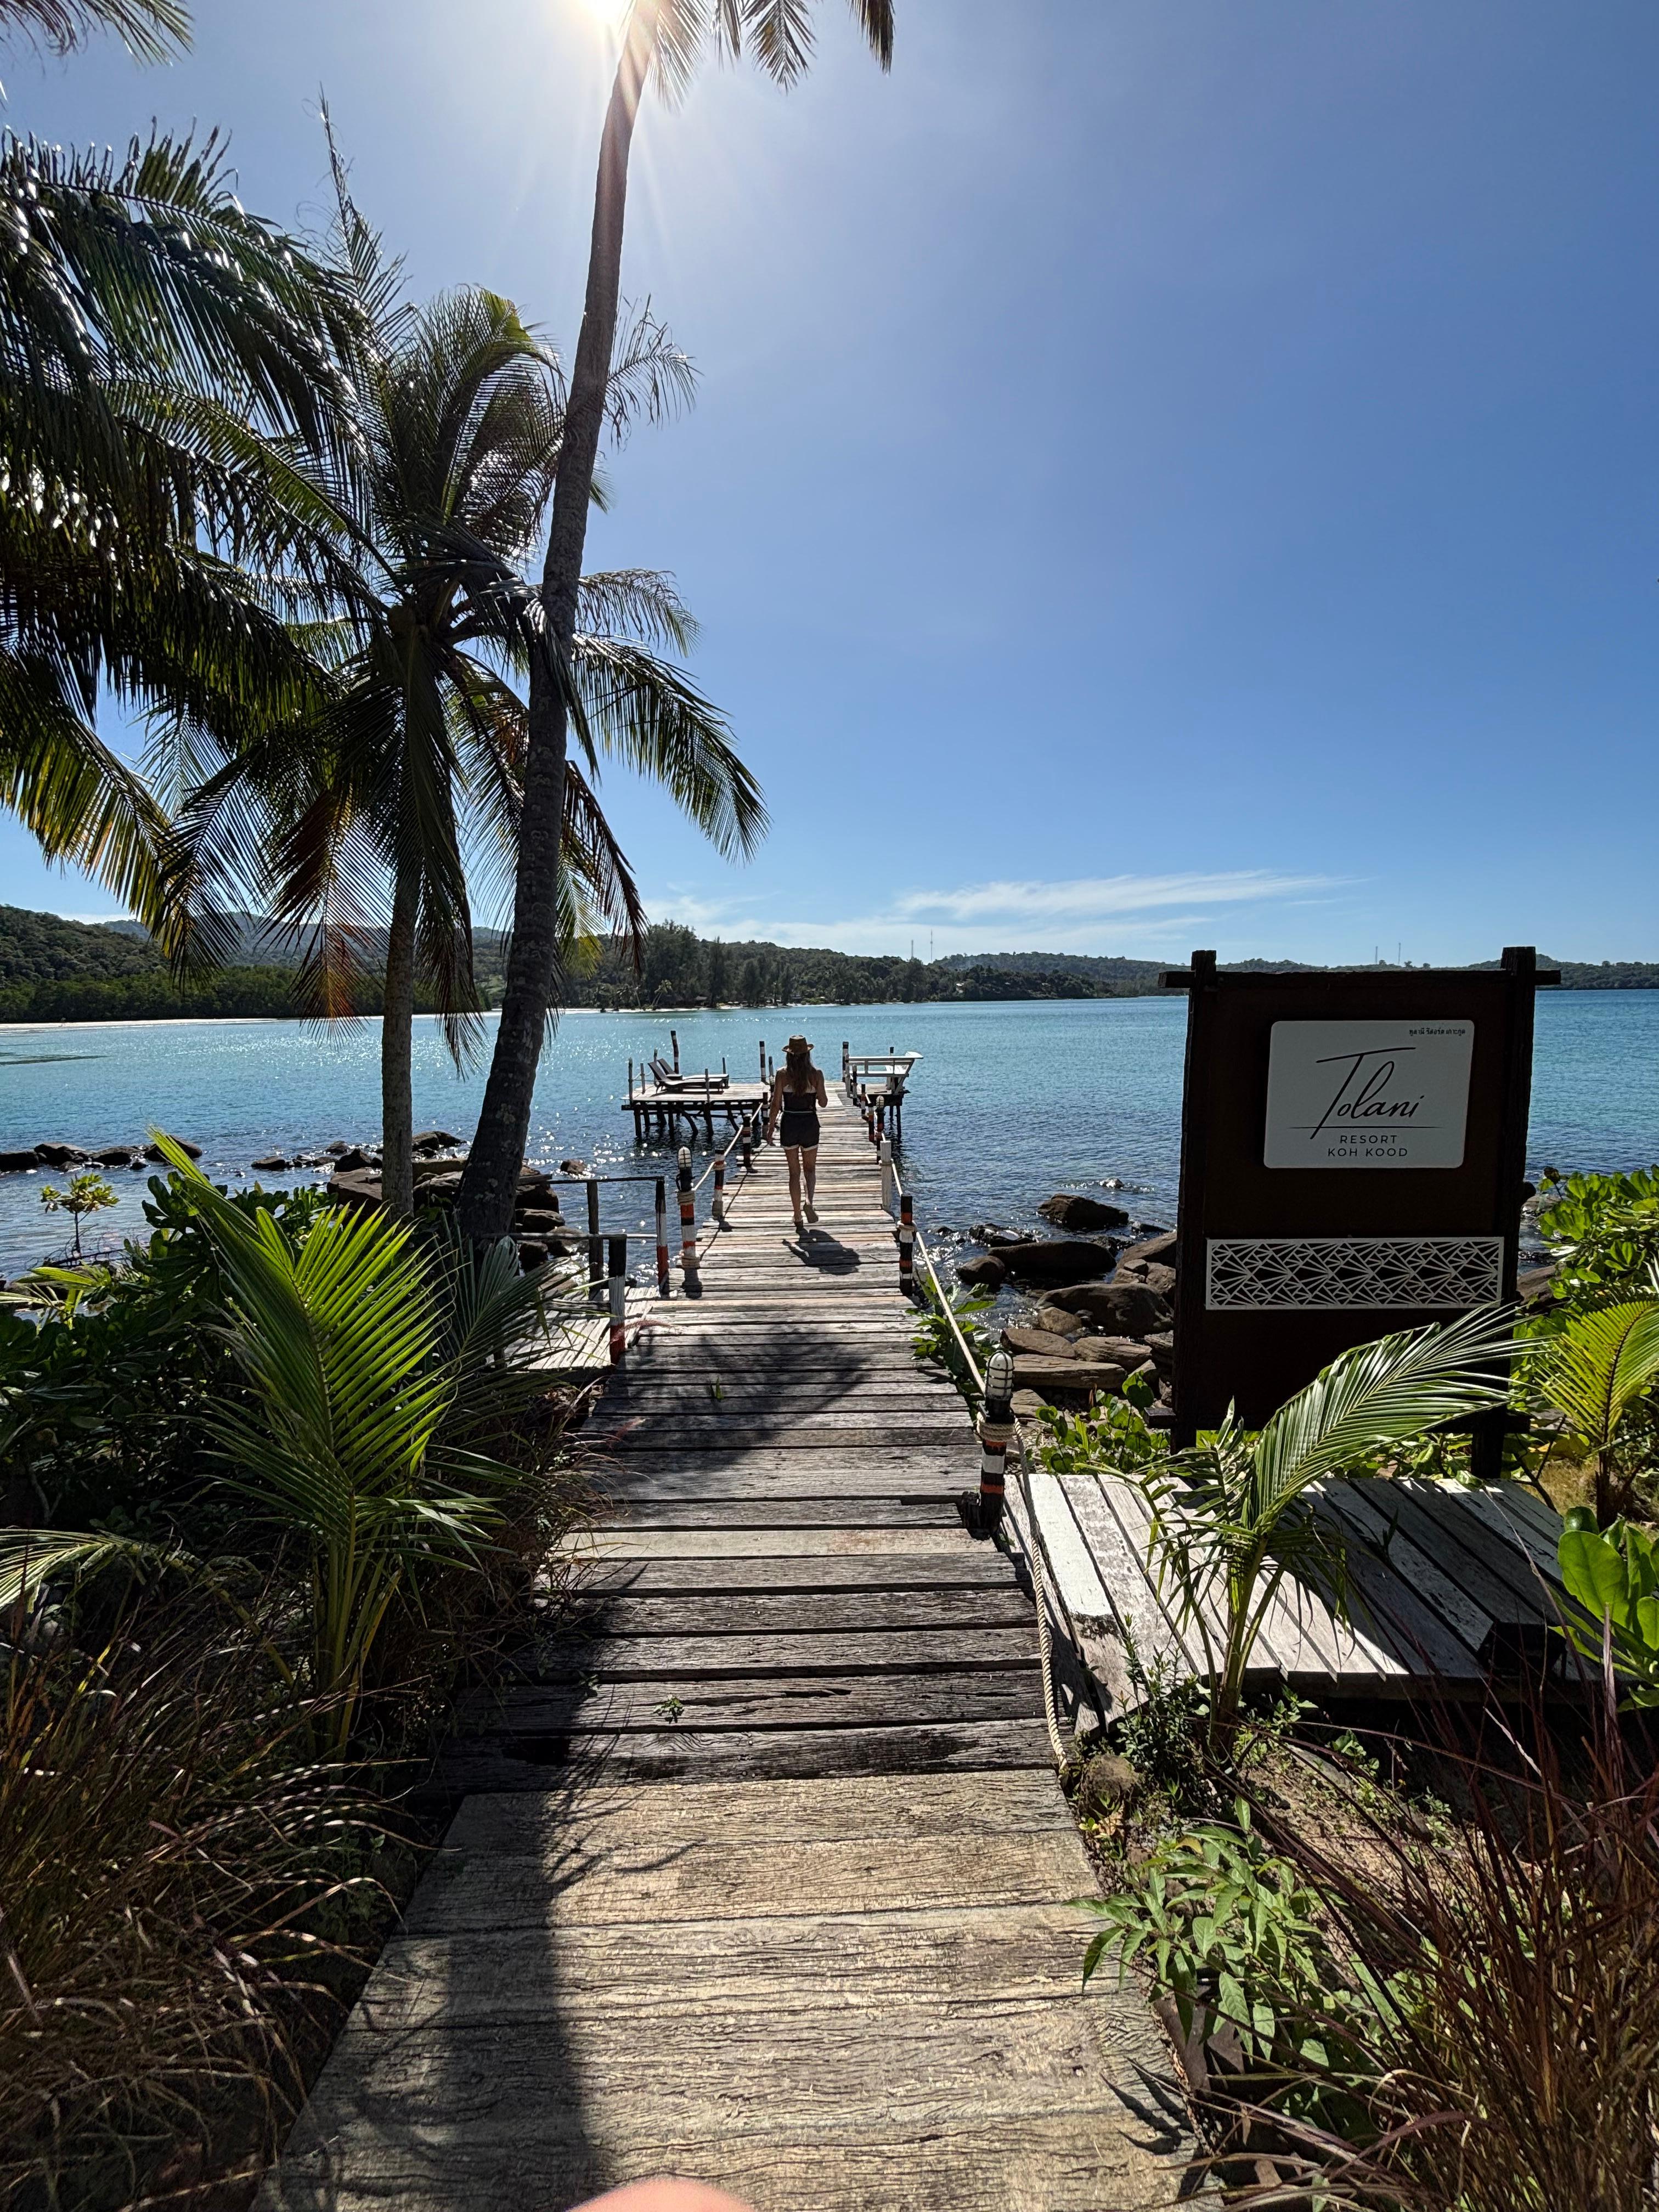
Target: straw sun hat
x,y
799,1044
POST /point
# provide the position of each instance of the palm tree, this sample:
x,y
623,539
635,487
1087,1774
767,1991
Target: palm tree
x,y
666,37
152,334
413,762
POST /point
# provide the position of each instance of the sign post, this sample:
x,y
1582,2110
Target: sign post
x,y
1352,1150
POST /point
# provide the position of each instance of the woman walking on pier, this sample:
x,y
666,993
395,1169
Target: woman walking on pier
x,y
798,1092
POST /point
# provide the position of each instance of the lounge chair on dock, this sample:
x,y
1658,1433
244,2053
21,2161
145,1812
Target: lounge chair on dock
x,y
666,1078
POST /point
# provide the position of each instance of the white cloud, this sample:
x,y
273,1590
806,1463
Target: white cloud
x,y
1129,914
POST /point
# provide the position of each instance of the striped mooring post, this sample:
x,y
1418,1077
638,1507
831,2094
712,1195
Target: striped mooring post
x,y
718,1207
663,1283
886,1175
762,1050
996,1433
674,1039
845,1065
619,1299
595,1245
746,1141
688,1222
906,1233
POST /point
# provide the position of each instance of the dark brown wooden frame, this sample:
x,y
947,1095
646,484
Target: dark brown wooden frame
x,y
1256,1360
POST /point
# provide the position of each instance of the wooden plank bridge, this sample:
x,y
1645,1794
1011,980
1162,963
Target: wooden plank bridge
x,y
761,1876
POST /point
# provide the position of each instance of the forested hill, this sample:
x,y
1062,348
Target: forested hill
x,y
44,948
56,970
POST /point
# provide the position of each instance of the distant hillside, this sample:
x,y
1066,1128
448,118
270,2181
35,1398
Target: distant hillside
x,y
260,943
43,948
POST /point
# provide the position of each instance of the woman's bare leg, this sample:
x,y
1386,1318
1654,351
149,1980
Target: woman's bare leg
x,y
792,1154
809,1160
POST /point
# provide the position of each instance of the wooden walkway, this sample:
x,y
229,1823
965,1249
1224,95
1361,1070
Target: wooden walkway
x,y
764,1876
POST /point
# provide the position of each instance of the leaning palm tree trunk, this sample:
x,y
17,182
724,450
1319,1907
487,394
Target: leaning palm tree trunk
x,y
489,1184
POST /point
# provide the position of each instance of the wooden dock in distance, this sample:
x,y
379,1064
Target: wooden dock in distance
x,y
762,1875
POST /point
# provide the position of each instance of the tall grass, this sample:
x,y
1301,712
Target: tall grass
x,y
175,1877
1516,2067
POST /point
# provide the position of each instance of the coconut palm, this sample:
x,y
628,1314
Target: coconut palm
x,y
1590,1371
372,805
1230,1515
152,334
665,39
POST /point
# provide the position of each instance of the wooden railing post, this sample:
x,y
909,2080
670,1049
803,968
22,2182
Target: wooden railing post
x,y
688,1223
996,1433
619,1299
907,1244
663,1283
718,1206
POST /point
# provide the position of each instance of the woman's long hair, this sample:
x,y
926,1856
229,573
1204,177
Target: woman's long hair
x,y
797,1069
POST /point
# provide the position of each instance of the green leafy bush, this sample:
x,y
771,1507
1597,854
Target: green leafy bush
x,y
1614,1573
1603,1231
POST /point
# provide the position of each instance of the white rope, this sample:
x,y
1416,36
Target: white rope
x,y
1034,1546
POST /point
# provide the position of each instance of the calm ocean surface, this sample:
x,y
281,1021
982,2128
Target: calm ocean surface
x,y
1010,1102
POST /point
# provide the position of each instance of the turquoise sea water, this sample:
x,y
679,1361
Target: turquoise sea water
x,y
1010,1102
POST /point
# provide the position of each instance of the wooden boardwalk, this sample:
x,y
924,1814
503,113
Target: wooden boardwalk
x,y
763,1875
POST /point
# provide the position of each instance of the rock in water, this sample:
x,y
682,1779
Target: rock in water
x,y
273,1164
1069,1260
983,1275
1056,1321
55,1155
1078,1215
433,1140
1125,1308
353,1158
190,1151
1158,1250
1039,1342
1034,1373
19,1163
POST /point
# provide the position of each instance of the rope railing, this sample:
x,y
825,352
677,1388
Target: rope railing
x,y
1023,1478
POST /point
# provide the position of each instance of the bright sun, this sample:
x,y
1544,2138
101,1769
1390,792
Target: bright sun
x,y
610,12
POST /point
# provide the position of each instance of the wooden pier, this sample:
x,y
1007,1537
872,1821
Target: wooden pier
x,y
762,1874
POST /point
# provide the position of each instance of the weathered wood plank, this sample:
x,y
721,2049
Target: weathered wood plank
x,y
1029,2161
801,1612
970,1567
609,1873
695,1707
756,1655
979,1748
757,1543
716,1513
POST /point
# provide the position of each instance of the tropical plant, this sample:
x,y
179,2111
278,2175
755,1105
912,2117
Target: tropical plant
x,y
1232,1934
153,337
371,1374
87,1193
664,38
945,1318
1603,1231
1594,1369
1230,1518
1614,1572
414,765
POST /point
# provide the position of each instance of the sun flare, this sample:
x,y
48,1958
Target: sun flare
x,y
611,13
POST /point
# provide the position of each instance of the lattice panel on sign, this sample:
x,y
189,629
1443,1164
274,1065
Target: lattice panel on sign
x,y
1324,1274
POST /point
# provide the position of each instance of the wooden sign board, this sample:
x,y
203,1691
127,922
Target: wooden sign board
x,y
1352,1150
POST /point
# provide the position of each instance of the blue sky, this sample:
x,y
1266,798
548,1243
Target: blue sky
x,y
1166,472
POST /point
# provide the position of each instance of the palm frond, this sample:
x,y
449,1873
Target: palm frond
x,y
149,29
1597,1365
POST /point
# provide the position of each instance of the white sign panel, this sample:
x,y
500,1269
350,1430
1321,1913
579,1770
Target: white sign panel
x,y
1368,1094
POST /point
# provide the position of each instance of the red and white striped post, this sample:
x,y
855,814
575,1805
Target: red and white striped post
x,y
746,1141
619,1299
717,1208
906,1234
595,1249
688,1223
763,1053
674,1039
663,1283
996,1433
886,1176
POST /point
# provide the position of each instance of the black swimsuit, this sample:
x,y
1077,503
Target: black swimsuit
x,y
800,1120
